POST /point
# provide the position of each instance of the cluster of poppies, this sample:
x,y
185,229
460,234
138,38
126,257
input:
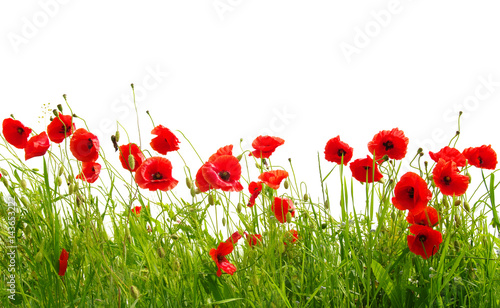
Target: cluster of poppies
x,y
411,192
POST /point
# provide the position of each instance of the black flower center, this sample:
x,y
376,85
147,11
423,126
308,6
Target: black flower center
x,y
224,175
90,144
388,145
220,258
65,129
366,167
411,192
422,238
157,176
480,160
341,152
20,130
447,180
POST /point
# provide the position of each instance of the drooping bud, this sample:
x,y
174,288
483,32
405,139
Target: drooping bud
x,y
223,221
239,157
59,106
306,197
466,206
327,204
25,201
55,112
61,171
285,184
468,175
288,217
24,184
189,184
211,200
5,181
58,181
193,192
71,189
161,252
457,202
324,225
135,292
131,161
115,143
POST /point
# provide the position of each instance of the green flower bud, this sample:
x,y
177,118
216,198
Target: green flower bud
x,y
175,237
457,202
131,161
327,204
117,136
324,225
5,181
55,112
71,189
457,221
58,181
59,106
466,206
239,157
4,172
161,252
288,217
306,197
61,171
189,184
223,221
239,207
193,192
285,184
211,200
135,292
468,175
25,201
24,184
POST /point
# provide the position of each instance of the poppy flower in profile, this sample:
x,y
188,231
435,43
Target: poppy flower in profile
x,y
225,150
60,128
155,173
425,241
223,173
392,143
63,262
281,207
201,183
125,151
137,210
481,157
273,178
364,170
265,146
253,239
448,180
165,141
219,257
254,188
449,154
84,145
292,236
335,149
234,238
90,172
411,193
36,146
428,217
15,132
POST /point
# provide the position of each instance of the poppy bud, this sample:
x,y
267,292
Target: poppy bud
x,y
420,150
161,252
135,292
223,221
175,237
71,189
306,197
61,171
115,144
457,202
324,225
285,184
468,175
288,217
457,132
327,204
466,206
24,184
457,221
238,208
239,157
258,166
59,106
58,181
39,256
25,201
446,203
117,135
4,181
385,157
193,192
131,161
211,199
55,112
4,172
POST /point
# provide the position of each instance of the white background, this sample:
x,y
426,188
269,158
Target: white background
x,y
305,71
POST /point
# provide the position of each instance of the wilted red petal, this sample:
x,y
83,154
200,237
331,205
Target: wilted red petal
x,y
36,146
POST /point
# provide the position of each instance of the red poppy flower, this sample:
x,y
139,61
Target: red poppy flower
x,y
411,193
449,154
60,128
273,178
392,143
36,146
90,172
137,210
126,150
15,132
362,170
265,146
226,150
166,140
482,157
202,185
281,207
428,217
335,149
63,262
223,173
253,239
155,173
291,237
219,257
425,242
448,180
254,188
84,145
234,238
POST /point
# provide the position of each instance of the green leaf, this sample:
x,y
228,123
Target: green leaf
x,y
387,284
